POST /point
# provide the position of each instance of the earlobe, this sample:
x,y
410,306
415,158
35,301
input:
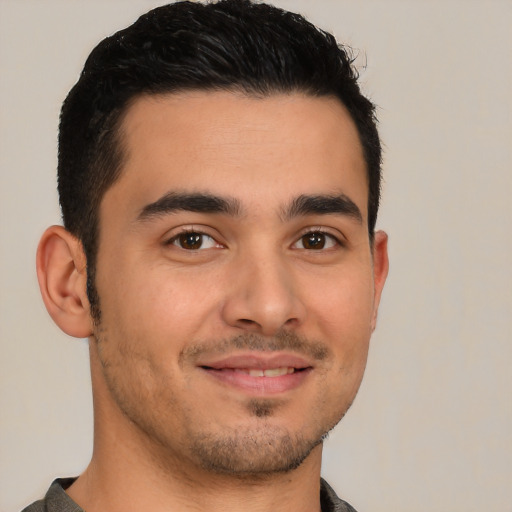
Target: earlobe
x,y
61,272
380,270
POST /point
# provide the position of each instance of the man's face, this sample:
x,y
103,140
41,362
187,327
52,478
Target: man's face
x,y
235,276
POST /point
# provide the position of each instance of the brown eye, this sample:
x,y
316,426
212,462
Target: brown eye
x,y
192,241
313,241
316,241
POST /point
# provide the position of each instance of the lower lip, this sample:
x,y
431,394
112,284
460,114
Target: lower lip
x,y
259,385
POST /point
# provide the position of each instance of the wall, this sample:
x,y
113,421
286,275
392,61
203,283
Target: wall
x,y
431,428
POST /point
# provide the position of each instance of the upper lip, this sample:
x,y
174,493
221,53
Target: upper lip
x,y
256,361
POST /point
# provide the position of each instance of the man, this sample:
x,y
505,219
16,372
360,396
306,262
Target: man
x,y
219,177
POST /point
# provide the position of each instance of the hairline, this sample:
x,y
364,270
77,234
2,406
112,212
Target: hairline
x,y
119,114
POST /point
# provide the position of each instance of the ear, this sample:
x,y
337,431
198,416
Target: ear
x,y
62,275
380,270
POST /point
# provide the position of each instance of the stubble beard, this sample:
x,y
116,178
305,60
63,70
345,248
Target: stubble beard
x,y
260,452
265,448
257,451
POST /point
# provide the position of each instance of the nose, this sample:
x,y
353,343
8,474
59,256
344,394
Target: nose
x,y
263,297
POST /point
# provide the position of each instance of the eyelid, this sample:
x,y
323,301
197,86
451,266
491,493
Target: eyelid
x,y
175,233
336,235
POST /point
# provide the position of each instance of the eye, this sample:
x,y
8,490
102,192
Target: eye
x,y
193,241
316,241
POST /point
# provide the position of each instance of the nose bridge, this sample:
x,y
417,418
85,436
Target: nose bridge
x,y
263,294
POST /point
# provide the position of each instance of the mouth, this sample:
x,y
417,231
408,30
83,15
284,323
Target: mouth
x,y
259,374
270,372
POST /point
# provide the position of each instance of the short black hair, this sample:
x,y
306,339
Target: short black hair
x,y
231,45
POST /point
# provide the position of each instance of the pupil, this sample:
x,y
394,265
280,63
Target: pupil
x,y
314,241
191,240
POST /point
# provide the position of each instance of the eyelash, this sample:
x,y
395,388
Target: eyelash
x,y
320,231
191,231
201,235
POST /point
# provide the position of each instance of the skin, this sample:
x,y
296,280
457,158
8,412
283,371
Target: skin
x,y
260,280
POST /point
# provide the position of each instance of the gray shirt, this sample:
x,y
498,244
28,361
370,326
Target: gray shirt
x,y
56,499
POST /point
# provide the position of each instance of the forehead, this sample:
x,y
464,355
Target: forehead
x,y
229,143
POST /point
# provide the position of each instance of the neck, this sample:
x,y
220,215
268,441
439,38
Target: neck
x,y
125,481
129,472
100,490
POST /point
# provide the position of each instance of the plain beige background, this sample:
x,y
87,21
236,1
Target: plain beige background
x,y
431,428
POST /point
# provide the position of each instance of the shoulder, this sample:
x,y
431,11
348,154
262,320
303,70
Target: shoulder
x,y
329,500
56,499
37,506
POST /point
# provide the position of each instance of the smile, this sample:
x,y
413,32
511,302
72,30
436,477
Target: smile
x,y
259,374
271,372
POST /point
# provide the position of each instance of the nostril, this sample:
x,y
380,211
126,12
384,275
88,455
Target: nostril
x,y
248,325
290,322
246,321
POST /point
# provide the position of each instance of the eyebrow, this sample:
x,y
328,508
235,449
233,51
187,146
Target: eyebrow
x,y
208,203
323,205
191,202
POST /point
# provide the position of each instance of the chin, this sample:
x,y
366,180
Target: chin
x,y
263,448
252,452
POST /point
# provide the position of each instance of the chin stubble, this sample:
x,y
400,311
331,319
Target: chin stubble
x,y
255,453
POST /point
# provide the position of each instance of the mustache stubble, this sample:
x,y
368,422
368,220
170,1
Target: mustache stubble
x,y
282,341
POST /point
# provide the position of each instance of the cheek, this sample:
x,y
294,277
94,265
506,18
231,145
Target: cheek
x,y
342,303
159,304
341,310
